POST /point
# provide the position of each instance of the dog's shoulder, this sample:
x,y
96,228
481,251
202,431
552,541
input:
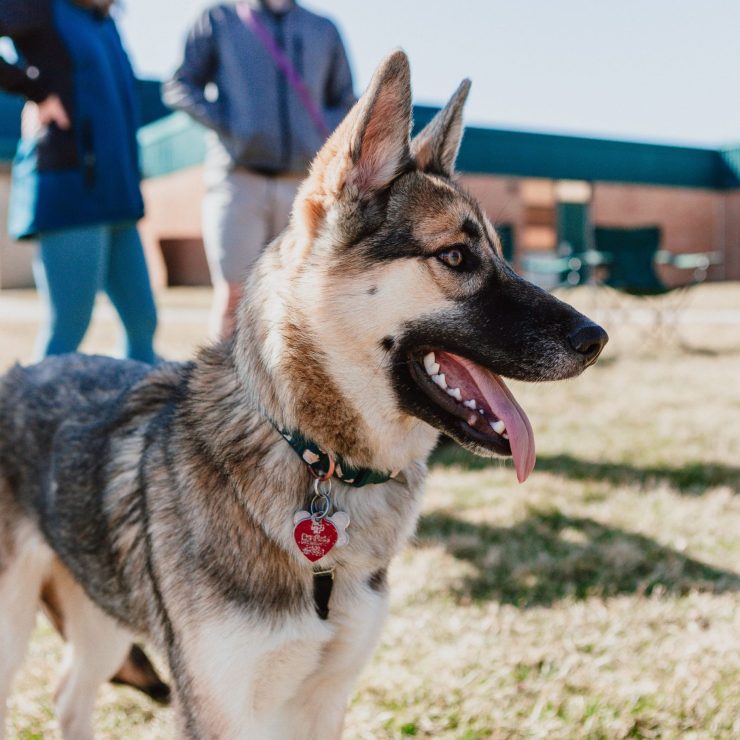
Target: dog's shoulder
x,y
76,403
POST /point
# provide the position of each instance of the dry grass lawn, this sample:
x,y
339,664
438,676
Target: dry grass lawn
x,y
599,600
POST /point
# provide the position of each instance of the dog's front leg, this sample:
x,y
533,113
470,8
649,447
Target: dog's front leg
x,y
241,670
317,711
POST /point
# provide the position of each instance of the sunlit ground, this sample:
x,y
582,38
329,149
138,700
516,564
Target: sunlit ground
x,y
600,599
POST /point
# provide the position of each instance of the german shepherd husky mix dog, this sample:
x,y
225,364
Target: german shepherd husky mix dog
x,y
169,502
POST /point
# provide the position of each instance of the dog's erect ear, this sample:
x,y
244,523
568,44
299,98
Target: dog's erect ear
x,y
435,147
368,149
380,135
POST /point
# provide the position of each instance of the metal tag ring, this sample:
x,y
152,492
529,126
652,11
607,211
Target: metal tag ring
x,y
320,506
322,487
321,502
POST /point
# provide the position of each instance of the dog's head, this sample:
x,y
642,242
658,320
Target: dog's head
x,y
392,312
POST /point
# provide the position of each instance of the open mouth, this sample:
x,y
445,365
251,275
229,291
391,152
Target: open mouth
x,y
484,410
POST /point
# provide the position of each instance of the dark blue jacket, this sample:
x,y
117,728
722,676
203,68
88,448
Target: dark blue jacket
x,y
90,173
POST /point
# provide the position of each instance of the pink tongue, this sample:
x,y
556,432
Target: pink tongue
x,y
501,402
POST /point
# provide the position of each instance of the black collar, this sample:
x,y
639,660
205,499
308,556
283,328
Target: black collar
x,y
324,465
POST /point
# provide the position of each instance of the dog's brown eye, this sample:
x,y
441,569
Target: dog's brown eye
x,y
452,257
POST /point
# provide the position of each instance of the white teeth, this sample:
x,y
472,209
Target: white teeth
x,y
471,420
505,435
455,393
470,404
481,412
430,365
440,381
498,426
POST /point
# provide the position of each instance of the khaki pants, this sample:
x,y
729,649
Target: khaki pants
x,y
242,212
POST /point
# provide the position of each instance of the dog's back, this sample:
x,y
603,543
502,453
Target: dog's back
x,y
61,395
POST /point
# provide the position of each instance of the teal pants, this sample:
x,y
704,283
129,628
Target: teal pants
x,y
73,265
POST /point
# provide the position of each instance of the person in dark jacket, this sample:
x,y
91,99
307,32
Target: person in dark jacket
x,y
75,178
262,133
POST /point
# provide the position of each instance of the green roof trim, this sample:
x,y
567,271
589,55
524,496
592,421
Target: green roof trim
x,y
151,105
731,160
177,142
10,125
560,157
172,141
7,149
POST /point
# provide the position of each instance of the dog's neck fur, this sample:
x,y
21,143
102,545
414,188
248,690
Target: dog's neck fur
x,y
287,364
247,392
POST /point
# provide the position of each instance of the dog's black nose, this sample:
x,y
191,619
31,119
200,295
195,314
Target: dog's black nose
x,y
588,339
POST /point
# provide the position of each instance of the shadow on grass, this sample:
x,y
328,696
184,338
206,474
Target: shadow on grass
x,y
550,556
691,479
698,351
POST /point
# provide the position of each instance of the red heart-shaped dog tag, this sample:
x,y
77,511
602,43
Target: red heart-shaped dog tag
x,y
315,537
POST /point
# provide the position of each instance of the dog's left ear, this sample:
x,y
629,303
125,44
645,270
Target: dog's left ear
x,y
368,149
378,141
435,147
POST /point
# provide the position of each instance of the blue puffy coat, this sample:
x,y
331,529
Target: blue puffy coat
x,y
90,173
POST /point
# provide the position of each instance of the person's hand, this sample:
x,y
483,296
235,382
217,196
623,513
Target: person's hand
x,y
51,110
37,116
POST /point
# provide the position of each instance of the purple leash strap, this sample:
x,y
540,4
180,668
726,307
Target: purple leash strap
x,y
250,19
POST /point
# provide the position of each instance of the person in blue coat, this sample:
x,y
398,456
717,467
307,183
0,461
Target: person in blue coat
x,y
75,178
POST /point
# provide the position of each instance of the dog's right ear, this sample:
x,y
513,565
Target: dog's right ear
x,y
435,147
368,149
